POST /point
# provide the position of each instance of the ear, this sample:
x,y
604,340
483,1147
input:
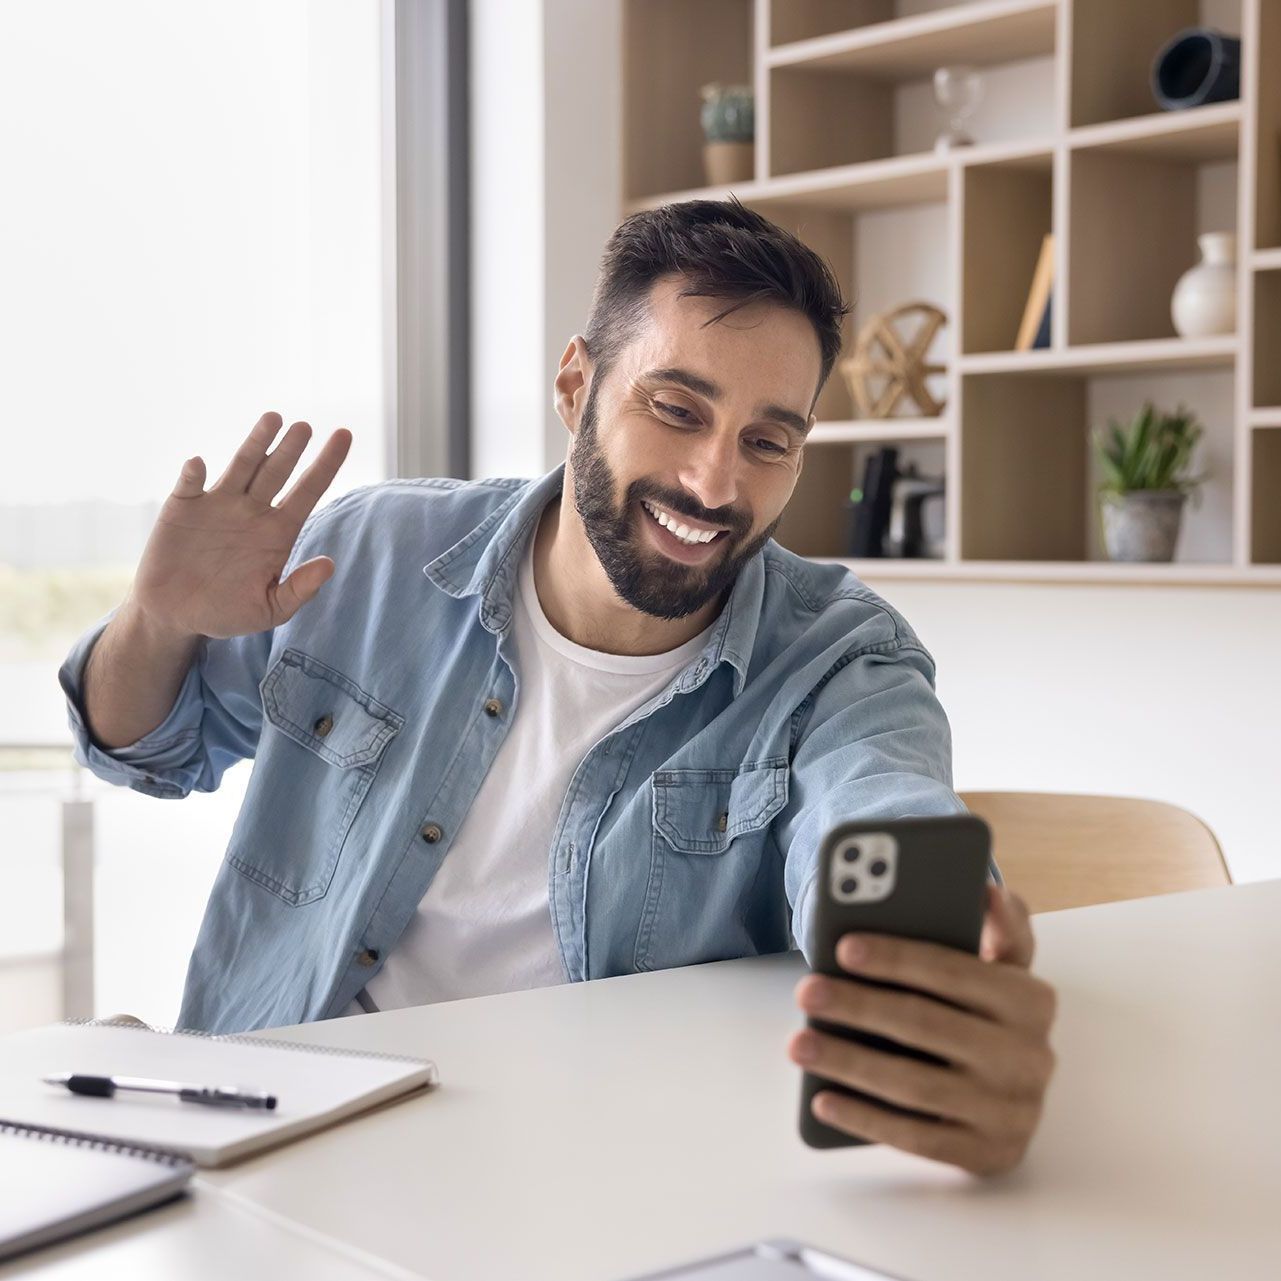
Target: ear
x,y
572,383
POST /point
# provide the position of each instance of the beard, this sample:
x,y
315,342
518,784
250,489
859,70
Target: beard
x,y
645,578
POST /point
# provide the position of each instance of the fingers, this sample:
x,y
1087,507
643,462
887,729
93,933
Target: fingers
x,y
278,465
306,580
247,459
1004,993
919,1021
938,1140
310,487
895,1078
191,479
1007,929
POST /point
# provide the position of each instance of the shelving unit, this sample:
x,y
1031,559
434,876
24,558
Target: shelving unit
x,y
1069,140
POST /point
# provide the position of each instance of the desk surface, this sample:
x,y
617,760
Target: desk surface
x,y
598,1130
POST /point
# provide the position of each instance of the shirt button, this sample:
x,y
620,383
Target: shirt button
x,y
368,957
722,823
431,833
492,707
323,726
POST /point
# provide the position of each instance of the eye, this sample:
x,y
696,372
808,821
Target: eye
x,y
675,411
768,446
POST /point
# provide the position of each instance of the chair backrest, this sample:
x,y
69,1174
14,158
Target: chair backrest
x,y
1057,850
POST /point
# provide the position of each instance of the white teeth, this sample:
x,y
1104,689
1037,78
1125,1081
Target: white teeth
x,y
691,536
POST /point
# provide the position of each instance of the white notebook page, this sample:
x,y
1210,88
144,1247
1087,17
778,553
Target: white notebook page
x,y
312,1087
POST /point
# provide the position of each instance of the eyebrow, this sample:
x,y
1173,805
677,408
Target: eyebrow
x,y
713,391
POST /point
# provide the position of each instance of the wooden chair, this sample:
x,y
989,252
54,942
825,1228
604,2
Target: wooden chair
x,y
1057,850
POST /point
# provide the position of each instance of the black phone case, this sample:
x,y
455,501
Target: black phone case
x,y
939,895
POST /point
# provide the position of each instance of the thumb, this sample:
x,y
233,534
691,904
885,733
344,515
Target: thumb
x,y
191,480
306,580
1007,930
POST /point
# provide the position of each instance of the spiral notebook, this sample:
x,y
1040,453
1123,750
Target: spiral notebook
x,y
56,1184
314,1085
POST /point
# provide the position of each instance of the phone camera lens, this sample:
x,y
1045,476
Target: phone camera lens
x,y
850,853
879,867
849,885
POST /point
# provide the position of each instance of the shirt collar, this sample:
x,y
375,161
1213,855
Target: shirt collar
x,y
486,563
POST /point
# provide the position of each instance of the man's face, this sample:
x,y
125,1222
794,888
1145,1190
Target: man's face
x,y
688,450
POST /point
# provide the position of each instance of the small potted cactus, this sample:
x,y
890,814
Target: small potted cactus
x,y
1145,484
729,129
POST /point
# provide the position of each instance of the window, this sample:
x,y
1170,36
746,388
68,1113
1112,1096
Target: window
x,y
194,233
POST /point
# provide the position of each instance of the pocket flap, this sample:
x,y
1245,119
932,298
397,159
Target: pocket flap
x,y
700,811
323,711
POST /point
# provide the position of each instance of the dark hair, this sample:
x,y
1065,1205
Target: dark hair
x,y
724,250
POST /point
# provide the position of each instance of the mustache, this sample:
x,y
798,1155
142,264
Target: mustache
x,y
735,522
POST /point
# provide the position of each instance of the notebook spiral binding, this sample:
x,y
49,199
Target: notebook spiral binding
x,y
75,1138
240,1039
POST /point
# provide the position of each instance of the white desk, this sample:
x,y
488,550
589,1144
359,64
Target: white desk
x,y
199,1238
596,1130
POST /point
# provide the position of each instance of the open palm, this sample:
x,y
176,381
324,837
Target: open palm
x,y
213,561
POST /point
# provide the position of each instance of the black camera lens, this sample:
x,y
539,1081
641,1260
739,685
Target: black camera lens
x,y
879,867
849,885
850,853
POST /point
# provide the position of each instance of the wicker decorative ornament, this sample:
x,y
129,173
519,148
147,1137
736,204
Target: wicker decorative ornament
x,y
888,363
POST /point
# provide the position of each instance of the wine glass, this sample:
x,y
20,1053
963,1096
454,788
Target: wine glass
x,y
958,91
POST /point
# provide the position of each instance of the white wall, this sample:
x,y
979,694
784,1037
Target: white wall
x,y
1169,693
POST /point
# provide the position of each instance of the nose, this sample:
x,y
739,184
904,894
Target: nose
x,y
709,469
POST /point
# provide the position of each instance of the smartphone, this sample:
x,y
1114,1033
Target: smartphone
x,y
917,878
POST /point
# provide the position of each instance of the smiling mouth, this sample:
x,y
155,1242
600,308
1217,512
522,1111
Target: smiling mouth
x,y
681,528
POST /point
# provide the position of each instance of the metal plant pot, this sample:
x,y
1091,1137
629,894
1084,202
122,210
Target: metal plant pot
x,y
1142,525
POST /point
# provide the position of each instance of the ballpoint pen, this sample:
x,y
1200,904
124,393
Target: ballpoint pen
x,y
235,1096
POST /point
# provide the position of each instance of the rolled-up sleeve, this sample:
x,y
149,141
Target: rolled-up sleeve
x,y
874,743
215,719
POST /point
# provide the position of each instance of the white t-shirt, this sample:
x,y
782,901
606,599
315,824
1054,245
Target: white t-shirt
x,y
484,924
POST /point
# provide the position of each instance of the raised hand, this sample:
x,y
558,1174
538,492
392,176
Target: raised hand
x,y
212,564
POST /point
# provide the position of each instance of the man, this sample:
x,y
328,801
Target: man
x,y
593,724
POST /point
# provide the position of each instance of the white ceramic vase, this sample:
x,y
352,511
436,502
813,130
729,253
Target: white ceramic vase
x,y
1205,299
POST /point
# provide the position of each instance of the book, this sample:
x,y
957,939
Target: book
x,y
1036,310
58,1183
1042,338
315,1086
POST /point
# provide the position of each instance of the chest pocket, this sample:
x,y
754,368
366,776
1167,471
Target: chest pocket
x,y
318,755
709,862
700,811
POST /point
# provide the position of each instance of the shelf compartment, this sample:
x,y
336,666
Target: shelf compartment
x,y
911,48
1006,214
816,521
1113,43
1267,141
1029,474
1022,474
1266,391
670,48
1200,134
1133,226
1265,496
831,110
1122,357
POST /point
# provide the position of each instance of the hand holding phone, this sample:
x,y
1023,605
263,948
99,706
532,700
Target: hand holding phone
x,y
920,1044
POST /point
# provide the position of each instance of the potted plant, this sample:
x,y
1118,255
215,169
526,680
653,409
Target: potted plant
x,y
728,117
1145,483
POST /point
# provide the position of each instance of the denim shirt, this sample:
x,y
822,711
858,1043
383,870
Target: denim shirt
x,y
689,833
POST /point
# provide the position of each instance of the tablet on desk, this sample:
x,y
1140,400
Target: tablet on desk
x,y
777,1260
